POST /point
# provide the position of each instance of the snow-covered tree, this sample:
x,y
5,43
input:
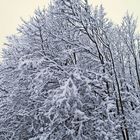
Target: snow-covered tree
x,y
69,76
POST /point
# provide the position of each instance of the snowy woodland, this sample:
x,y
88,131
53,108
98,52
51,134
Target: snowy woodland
x,y
71,74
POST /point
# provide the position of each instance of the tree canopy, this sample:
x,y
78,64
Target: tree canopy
x,y
71,74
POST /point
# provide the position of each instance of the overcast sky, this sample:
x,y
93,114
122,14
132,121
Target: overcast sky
x,y
12,10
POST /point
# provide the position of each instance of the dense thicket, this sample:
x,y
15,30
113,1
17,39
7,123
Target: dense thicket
x,y
71,74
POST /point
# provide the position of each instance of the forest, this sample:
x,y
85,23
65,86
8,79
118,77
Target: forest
x,y
71,74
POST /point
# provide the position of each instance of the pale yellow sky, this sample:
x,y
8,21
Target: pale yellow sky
x,y
12,10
